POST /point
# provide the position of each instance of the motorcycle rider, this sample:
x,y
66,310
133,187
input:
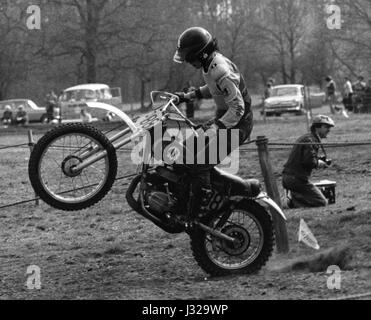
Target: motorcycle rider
x,y
225,84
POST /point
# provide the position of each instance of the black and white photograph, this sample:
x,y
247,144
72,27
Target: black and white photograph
x,y
206,152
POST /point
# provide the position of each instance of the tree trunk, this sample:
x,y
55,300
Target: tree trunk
x,y
91,32
292,58
142,93
283,68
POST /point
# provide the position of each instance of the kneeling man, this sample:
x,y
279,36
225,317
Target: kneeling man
x,y
302,160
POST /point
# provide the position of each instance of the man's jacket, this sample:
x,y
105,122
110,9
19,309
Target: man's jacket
x,y
303,158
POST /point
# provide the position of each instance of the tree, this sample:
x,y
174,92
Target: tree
x,y
14,58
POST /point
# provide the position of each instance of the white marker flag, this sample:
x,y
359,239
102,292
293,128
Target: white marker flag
x,y
306,236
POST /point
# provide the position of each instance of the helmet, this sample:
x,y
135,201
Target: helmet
x,y
192,44
321,119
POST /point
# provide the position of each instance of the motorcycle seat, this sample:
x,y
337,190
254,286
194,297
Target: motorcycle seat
x,y
238,186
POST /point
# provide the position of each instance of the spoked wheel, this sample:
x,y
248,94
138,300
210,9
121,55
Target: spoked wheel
x,y
251,226
52,162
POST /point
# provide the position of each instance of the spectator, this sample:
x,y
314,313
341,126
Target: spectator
x,y
7,116
268,90
359,90
330,93
21,117
348,94
302,160
366,106
58,111
190,104
51,102
272,81
86,116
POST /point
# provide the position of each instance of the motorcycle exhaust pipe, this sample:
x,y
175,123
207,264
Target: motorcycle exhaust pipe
x,y
216,233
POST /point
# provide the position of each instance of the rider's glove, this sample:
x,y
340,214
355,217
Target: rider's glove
x,y
181,97
212,124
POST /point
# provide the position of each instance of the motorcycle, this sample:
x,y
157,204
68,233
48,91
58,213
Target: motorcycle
x,y
73,166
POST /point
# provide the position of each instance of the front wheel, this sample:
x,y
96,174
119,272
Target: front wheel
x,y
55,155
252,225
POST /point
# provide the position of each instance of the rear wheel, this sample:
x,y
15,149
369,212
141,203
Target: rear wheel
x,y
252,226
57,153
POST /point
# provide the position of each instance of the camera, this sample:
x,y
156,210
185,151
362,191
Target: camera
x,y
325,160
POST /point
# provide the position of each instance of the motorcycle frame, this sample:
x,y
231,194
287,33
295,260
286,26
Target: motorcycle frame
x,y
91,156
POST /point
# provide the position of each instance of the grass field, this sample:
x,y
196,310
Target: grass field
x,y
110,252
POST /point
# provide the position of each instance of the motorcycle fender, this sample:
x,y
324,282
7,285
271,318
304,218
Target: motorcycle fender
x,y
122,115
264,199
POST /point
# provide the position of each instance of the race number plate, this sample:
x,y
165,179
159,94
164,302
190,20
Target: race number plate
x,y
149,120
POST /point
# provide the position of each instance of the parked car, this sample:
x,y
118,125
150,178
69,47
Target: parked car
x,y
34,112
74,99
286,98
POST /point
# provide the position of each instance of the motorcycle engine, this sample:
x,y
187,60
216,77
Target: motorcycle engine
x,y
159,201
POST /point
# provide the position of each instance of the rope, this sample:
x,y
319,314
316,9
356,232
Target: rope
x,y
330,144
354,296
85,187
13,146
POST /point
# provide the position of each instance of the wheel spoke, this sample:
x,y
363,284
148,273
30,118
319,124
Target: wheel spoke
x,y
246,228
58,179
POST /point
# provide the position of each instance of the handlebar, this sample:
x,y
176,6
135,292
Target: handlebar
x,y
173,100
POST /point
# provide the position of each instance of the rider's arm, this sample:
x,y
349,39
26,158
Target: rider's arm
x,y
228,85
200,93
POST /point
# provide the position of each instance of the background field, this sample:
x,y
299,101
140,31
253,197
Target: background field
x,y
109,252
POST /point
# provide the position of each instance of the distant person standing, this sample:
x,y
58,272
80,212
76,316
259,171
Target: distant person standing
x,y
358,90
190,104
59,106
366,106
348,94
51,102
330,93
268,90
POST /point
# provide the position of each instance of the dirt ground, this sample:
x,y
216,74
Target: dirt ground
x,y
110,252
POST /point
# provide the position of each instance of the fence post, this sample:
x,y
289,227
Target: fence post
x,y
31,144
308,106
263,111
272,190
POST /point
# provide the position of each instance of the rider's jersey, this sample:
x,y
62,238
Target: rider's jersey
x,y
225,84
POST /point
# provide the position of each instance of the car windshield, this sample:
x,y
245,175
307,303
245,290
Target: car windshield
x,y
78,95
278,92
